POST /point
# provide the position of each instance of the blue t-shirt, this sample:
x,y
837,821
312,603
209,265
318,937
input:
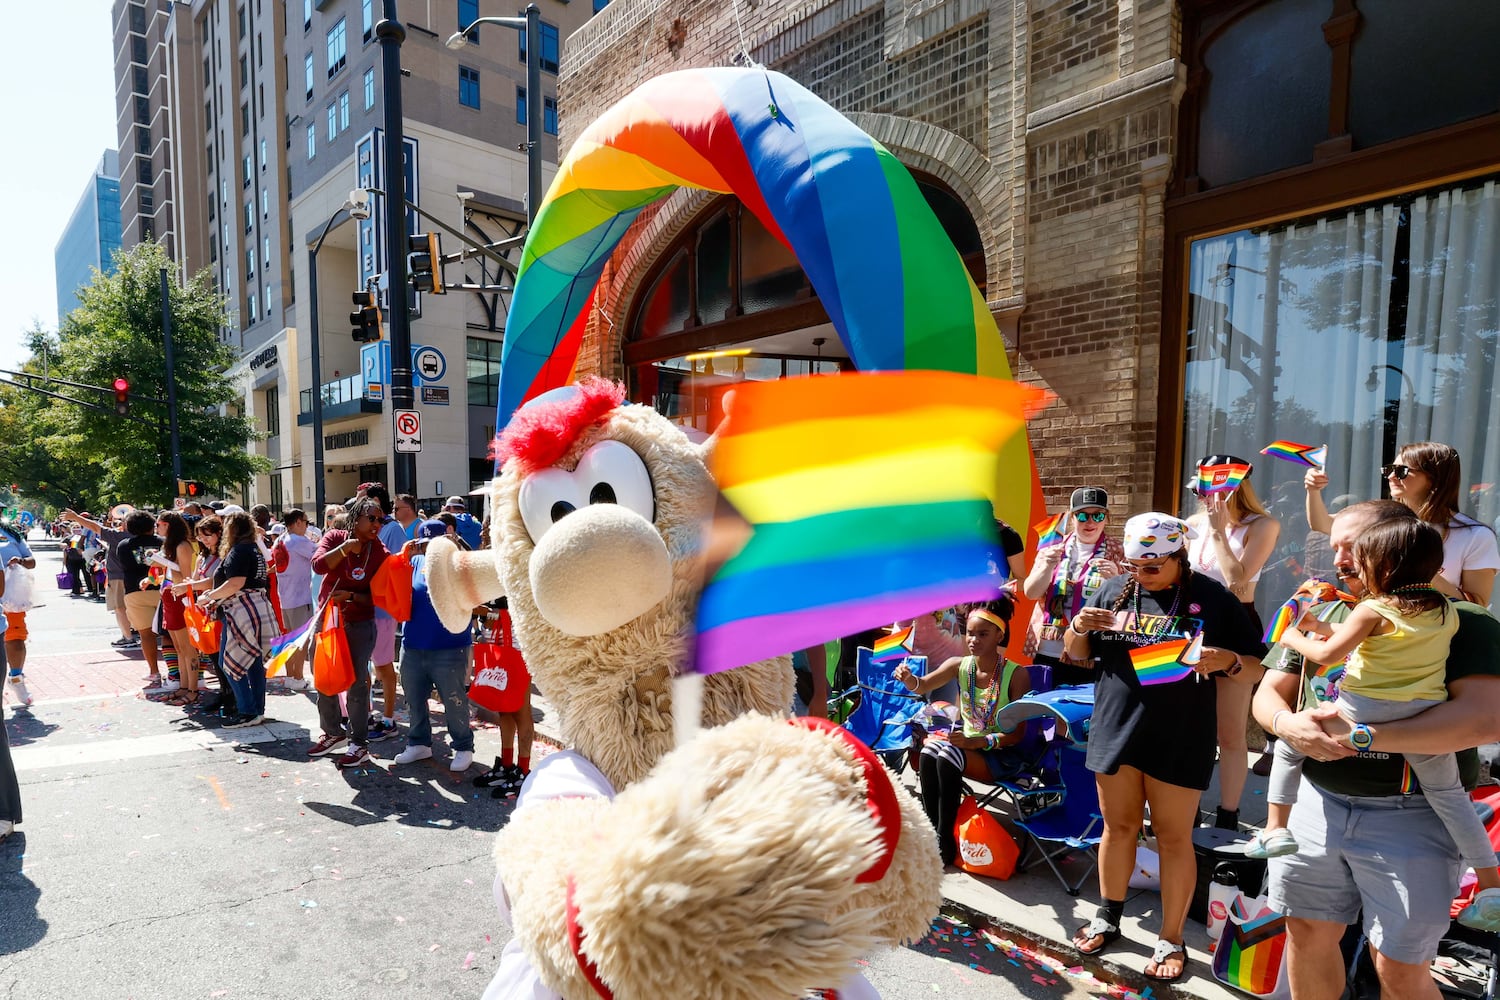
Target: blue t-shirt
x,y
424,630
469,529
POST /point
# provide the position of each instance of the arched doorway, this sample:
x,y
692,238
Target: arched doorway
x,y
726,302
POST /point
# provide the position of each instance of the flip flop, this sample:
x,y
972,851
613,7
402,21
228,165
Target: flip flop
x,y
1165,950
1106,932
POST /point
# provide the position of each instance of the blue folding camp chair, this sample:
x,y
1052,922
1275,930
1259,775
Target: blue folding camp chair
x,y
1060,814
882,719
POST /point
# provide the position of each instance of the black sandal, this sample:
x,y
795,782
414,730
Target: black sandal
x,y
1165,950
1100,928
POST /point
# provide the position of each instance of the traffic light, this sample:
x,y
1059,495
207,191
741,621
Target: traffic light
x,y
190,488
122,397
425,263
365,318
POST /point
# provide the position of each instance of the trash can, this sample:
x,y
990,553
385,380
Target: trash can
x,y
1214,847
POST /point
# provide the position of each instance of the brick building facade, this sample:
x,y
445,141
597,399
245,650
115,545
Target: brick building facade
x,y
1204,224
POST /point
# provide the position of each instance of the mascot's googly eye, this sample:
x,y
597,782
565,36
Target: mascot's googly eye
x,y
611,472
546,498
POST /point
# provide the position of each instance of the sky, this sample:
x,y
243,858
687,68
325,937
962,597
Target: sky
x,y
58,89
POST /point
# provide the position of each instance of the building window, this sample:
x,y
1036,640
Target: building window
x,y
249,218
550,47
138,50
244,119
265,252
252,310
468,13
369,89
273,428
333,122
306,14
337,48
242,21
211,207
148,200
307,68
468,87
138,18
260,50
312,141
600,5
244,71
262,153
247,167
250,262
268,294
142,139
265,203
142,81
367,17
482,369
344,111
143,170
549,111
142,111
520,105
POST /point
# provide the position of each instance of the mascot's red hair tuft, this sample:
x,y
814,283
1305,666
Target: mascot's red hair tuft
x,y
540,433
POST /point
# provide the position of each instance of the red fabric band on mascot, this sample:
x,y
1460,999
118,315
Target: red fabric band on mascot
x,y
575,941
880,794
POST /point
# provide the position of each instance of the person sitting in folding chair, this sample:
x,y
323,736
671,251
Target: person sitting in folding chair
x,y
976,748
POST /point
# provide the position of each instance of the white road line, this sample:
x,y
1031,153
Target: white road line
x,y
37,756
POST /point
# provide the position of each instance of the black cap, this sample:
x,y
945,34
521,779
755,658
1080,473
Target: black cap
x,y
1225,460
1088,496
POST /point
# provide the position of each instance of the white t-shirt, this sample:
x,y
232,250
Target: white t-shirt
x,y
567,774
1469,545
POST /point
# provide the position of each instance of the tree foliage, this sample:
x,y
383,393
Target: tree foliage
x,y
86,454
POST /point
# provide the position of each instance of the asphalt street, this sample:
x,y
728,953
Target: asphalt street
x,y
163,857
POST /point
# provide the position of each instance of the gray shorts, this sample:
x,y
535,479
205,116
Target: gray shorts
x,y
1390,856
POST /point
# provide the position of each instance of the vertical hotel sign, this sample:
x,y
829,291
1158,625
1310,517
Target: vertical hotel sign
x,y
369,167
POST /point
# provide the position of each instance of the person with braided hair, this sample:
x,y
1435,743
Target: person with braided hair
x,y
1153,733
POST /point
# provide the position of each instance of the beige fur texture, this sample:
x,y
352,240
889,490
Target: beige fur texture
x,y
725,868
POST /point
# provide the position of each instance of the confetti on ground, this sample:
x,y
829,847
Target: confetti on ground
x,y
309,904
469,961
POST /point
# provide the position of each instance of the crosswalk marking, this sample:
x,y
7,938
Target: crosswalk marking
x,y
40,755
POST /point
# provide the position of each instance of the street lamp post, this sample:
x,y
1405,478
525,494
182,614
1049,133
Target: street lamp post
x,y
390,33
531,24
351,209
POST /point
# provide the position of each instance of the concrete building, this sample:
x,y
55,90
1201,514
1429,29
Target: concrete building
x,y
147,143
1205,224
91,236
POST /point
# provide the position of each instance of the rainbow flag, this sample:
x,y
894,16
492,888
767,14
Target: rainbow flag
x,y
1165,662
1050,531
1285,617
293,643
869,500
1298,454
896,646
1221,478
1253,950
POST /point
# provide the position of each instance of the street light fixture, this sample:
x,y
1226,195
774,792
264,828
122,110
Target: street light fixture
x,y
356,206
531,24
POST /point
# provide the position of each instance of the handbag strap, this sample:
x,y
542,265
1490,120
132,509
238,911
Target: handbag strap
x,y
505,627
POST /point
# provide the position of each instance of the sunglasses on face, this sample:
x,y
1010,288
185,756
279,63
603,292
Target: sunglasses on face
x,y
1398,471
1097,516
1145,569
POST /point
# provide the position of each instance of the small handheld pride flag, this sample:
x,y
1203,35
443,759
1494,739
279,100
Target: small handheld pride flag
x,y
1298,454
1165,662
292,644
1050,531
896,646
1221,478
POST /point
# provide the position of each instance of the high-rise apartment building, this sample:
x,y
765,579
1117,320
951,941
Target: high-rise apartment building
x,y
91,236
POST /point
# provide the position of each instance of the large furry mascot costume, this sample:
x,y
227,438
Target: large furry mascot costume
x,y
760,859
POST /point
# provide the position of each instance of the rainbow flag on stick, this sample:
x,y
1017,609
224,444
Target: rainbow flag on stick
x,y
1050,531
1221,478
292,644
1165,662
896,646
1298,454
868,500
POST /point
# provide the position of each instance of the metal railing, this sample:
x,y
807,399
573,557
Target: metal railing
x,y
344,390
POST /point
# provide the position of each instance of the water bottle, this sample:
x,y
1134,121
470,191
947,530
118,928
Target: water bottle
x,y
1222,889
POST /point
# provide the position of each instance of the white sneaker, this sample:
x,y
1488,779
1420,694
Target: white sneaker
x,y
412,754
295,684
461,760
167,687
6,828
17,687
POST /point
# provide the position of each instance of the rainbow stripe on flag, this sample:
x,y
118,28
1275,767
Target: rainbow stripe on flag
x,y
1253,950
1050,531
896,646
293,643
870,497
1166,662
1221,478
1298,454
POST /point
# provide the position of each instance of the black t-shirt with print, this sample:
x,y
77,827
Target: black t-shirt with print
x,y
245,560
1167,731
135,555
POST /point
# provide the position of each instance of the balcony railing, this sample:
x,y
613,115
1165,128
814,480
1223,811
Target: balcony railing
x,y
345,397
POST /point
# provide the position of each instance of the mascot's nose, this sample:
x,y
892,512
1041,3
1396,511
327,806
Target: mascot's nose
x,y
599,568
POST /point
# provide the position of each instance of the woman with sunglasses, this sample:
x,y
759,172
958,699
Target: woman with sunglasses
x,y
181,558
1235,538
1152,735
206,535
1065,576
1426,477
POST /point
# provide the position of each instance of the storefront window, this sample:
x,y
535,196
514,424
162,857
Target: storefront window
x,y
769,271
686,390
1364,329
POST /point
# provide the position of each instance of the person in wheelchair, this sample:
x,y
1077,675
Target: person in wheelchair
x,y
975,748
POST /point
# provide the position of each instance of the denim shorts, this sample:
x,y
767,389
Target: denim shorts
x,y
1389,856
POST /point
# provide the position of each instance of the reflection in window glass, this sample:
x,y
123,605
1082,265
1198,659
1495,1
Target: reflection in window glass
x,y
1365,330
769,271
714,295
482,370
667,306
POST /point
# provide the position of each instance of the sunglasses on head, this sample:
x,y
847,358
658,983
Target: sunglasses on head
x,y
1097,516
1399,471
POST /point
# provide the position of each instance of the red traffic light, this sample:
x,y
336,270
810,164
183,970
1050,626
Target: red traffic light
x,y
121,385
122,396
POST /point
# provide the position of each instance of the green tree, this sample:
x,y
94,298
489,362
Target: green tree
x,y
116,332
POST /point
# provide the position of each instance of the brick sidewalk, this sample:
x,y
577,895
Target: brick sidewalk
x,y
86,673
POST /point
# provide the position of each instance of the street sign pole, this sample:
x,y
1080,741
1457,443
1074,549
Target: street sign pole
x,y
391,33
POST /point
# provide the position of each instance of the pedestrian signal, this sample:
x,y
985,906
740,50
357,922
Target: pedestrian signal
x,y
190,488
